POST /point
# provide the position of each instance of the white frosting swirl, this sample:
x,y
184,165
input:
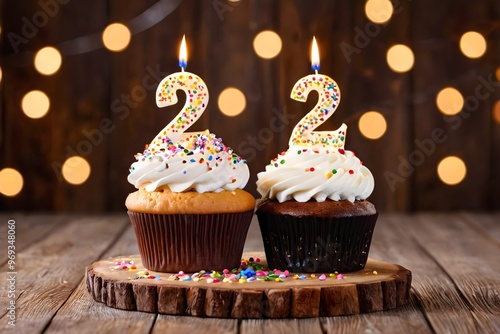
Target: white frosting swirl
x,y
198,161
303,173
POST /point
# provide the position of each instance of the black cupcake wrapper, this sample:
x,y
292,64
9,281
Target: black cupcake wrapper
x,y
190,242
315,244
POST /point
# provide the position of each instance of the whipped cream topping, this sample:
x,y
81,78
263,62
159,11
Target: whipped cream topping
x,y
198,161
320,173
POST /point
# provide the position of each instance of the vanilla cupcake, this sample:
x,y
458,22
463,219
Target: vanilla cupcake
x,y
189,212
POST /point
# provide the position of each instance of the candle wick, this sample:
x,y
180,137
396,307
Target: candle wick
x,y
316,72
182,69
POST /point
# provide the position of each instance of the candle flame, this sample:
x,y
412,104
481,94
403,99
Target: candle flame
x,y
183,54
315,55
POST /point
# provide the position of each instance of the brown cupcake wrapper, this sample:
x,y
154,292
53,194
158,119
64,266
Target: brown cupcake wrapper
x,y
190,242
316,245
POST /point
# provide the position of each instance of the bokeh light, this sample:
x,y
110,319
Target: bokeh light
x,y
372,125
451,170
267,44
379,11
400,58
1,74
449,101
35,104
11,182
48,60
232,101
472,44
76,170
496,112
497,73
116,37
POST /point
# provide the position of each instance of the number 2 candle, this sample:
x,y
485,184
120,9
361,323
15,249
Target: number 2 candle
x,y
316,166
186,161
329,98
196,99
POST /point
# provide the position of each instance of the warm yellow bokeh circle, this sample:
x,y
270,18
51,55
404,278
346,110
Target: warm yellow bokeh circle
x,y
267,44
76,170
11,182
232,101
451,170
372,125
400,58
35,104
449,101
116,37
48,60
472,44
379,11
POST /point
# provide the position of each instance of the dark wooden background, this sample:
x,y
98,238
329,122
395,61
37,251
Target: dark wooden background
x,y
220,36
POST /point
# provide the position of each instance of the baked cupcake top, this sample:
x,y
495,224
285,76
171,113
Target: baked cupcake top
x,y
196,162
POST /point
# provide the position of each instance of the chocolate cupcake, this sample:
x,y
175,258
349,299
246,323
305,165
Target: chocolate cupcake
x,y
313,214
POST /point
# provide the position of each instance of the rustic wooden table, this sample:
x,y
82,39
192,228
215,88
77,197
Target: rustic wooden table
x,y
455,260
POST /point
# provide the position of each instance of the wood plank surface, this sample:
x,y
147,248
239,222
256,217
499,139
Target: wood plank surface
x,y
175,324
75,313
29,229
473,268
49,271
281,326
486,224
80,314
453,257
404,319
442,305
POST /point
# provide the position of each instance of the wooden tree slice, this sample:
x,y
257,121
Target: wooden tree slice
x,y
358,292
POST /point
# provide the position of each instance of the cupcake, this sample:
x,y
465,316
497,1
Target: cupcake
x,y
313,215
189,212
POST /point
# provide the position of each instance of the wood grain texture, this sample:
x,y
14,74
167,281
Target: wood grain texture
x,y
474,267
74,314
433,286
50,270
281,326
29,229
486,224
79,308
404,319
454,288
290,298
172,324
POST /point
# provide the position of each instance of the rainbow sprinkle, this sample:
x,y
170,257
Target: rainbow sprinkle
x,y
250,270
202,143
